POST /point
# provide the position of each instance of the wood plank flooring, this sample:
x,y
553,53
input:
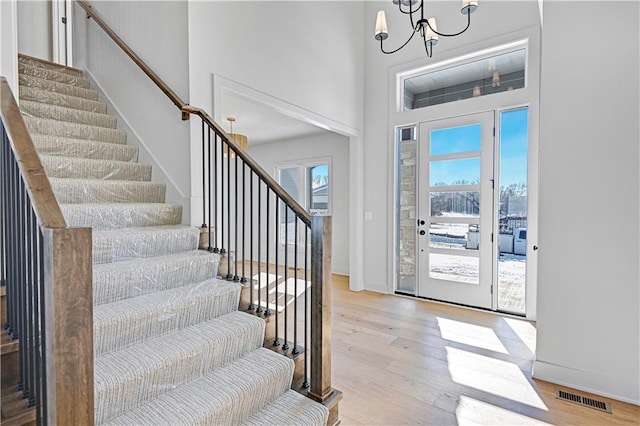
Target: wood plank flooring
x,y
409,361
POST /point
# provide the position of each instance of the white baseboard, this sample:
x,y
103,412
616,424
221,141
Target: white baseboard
x,y
622,390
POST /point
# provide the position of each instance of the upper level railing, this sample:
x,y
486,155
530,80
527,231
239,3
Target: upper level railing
x,y
265,239
47,270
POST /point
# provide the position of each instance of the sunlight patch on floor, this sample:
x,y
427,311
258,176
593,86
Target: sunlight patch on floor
x,y
471,411
501,378
470,334
525,331
276,293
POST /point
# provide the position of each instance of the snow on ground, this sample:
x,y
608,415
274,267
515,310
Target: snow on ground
x,y
511,268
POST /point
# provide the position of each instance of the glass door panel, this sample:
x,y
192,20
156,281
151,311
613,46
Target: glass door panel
x,y
512,210
455,196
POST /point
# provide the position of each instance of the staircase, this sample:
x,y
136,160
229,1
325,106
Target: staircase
x,y
170,346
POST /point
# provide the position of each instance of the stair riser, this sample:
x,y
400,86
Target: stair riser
x,y
193,353
71,191
97,217
73,168
125,323
68,115
55,67
51,75
51,98
111,284
78,148
110,247
75,131
52,86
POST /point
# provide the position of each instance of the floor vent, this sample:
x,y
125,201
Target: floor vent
x,y
583,400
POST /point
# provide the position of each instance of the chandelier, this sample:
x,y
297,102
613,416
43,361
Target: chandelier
x,y
426,27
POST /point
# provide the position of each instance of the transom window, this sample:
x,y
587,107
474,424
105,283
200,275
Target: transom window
x,y
468,78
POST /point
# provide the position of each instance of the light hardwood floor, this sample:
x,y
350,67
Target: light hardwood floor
x,y
409,361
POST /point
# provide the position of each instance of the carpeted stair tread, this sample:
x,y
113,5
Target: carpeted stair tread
x,y
121,215
30,60
87,168
54,86
51,98
122,280
290,408
73,191
47,126
69,115
126,322
131,243
81,148
52,75
170,361
226,396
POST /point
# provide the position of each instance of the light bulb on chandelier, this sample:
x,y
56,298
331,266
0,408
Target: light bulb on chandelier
x,y
426,27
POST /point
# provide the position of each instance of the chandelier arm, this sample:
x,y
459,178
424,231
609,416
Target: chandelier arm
x,y
399,48
455,34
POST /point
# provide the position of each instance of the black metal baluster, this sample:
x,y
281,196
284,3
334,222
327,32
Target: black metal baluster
x,y
214,205
251,281
276,341
305,383
222,145
259,309
295,288
43,341
285,345
244,208
207,202
12,286
229,249
22,330
267,311
4,200
204,174
32,301
235,261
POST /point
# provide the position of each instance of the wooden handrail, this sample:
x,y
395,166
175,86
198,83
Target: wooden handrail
x,y
36,181
142,64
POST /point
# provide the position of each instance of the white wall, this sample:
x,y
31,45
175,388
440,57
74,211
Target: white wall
x,y
487,23
327,144
9,43
158,33
588,291
34,28
307,54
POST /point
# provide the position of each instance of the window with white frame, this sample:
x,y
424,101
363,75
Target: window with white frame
x,y
309,183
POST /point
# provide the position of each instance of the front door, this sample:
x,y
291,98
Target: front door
x,y
455,209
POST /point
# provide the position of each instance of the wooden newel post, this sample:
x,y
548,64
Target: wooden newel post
x,y
68,302
321,280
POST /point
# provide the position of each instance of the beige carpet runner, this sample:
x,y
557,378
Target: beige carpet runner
x,y
170,346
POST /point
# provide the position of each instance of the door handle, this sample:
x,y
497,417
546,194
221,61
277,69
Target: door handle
x,y
421,222
535,248
422,232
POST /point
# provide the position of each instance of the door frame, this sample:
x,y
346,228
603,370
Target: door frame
x,y
528,96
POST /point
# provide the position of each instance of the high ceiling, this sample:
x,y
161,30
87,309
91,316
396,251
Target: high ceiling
x,y
260,122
